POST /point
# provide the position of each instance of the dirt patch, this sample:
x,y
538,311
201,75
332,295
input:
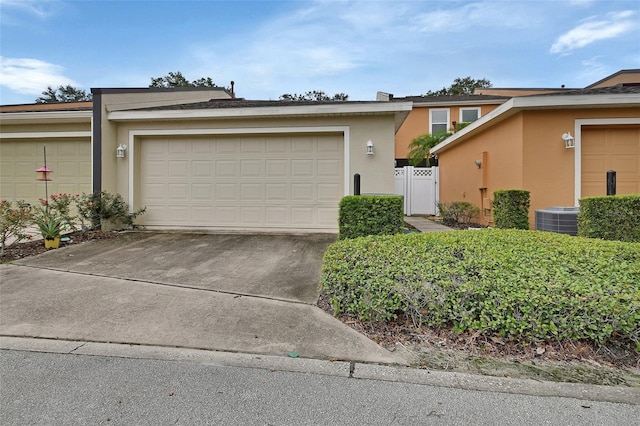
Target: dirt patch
x,y
445,350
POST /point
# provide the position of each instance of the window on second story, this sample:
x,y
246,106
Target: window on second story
x,y
438,120
468,115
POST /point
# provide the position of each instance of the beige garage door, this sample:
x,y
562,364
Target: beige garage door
x,y
612,148
70,161
251,181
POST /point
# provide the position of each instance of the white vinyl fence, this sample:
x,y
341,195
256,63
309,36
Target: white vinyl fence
x,y
419,186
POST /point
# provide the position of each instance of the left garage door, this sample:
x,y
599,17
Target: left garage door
x,y
70,161
252,181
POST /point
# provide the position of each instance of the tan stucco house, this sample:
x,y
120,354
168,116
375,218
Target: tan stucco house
x,y
203,159
522,144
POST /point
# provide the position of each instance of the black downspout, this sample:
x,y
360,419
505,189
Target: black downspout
x,y
96,142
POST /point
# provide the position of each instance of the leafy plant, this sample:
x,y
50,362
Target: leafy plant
x,y
610,218
420,147
362,215
97,208
511,208
14,220
49,222
457,212
517,284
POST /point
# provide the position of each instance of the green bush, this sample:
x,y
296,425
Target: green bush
x,y
457,212
516,284
511,209
362,215
610,218
14,221
95,209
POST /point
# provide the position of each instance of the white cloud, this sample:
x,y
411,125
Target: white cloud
x,y
36,8
592,30
31,76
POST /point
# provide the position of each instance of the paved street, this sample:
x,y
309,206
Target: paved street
x,y
47,388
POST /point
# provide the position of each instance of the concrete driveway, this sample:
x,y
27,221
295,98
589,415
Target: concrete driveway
x,y
238,293
285,267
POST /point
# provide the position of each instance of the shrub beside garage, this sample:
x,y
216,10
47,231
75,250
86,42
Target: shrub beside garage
x,y
610,218
512,283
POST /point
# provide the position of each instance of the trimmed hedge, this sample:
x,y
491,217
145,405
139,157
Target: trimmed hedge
x,y
516,284
457,212
511,208
362,215
610,218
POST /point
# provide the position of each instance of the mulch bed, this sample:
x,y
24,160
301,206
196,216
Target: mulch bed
x,y
32,248
402,331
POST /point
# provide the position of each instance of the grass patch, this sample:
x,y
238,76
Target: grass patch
x,y
524,285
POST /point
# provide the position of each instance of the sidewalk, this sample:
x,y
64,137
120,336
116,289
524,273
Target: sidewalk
x,y
423,224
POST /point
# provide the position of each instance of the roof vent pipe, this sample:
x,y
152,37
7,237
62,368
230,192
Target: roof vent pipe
x,y
233,93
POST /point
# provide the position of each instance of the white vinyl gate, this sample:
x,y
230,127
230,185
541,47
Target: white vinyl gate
x,y
419,186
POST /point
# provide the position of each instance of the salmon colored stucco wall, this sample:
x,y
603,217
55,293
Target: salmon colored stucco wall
x,y
501,168
417,123
525,151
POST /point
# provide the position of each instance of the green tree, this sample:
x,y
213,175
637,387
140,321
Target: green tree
x,y
314,95
420,147
176,79
62,94
462,86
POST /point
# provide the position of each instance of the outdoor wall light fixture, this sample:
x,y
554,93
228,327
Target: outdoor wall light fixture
x,y
478,163
120,151
569,141
369,147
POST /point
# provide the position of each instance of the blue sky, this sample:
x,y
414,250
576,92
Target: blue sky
x,y
273,47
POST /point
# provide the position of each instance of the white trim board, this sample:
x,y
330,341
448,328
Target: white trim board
x,y
345,130
578,123
45,135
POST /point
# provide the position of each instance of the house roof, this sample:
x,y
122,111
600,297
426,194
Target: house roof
x,y
622,95
56,106
614,75
242,108
423,100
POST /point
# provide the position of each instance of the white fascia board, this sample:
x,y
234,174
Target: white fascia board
x,y
45,135
45,116
577,101
277,111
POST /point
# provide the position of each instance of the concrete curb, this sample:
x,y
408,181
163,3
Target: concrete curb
x,y
339,368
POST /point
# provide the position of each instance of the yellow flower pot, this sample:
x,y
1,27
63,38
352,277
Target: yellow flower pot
x,y
52,244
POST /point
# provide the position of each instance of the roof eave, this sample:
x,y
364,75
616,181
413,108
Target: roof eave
x,y
46,117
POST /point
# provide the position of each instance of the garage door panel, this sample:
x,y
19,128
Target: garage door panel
x,y
276,168
262,181
226,168
302,168
68,158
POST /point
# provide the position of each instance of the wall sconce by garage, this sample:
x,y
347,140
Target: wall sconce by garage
x,y
569,141
370,147
478,163
120,151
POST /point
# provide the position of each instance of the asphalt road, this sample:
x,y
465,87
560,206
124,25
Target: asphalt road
x,y
50,389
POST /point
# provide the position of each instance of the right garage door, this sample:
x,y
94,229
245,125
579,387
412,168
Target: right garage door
x,y
611,148
247,181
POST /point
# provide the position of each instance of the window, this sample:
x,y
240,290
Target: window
x,y
467,115
438,120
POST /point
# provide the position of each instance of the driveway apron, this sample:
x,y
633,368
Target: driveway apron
x,y
239,293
